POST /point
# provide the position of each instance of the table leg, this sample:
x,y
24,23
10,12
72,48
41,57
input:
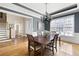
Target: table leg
x,y
42,50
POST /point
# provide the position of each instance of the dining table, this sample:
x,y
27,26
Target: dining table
x,y
43,41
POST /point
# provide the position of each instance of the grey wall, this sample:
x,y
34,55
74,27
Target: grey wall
x,y
76,23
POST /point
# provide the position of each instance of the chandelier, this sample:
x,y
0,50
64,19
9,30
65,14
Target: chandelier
x,y
46,17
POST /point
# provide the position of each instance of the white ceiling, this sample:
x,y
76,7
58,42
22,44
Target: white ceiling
x,y
40,7
51,7
18,9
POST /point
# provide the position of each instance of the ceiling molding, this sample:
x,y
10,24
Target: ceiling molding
x,y
66,14
64,9
20,5
7,9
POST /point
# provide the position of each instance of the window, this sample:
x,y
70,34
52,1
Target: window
x,y
63,25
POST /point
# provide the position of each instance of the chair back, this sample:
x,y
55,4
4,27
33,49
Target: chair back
x,y
30,37
30,40
55,38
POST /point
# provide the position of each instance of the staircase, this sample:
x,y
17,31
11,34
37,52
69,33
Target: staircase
x,y
3,34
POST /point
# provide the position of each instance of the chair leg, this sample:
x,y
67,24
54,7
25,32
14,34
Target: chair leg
x,y
59,41
56,46
34,52
53,50
29,52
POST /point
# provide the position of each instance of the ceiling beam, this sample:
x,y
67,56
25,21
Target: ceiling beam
x,y
65,14
64,9
25,7
10,10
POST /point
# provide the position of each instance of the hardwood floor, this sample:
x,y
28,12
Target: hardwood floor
x,y
19,47
16,47
68,49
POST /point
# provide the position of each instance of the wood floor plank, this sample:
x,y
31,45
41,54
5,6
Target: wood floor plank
x,y
19,47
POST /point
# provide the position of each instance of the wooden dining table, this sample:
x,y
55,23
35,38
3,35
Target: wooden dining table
x,y
43,42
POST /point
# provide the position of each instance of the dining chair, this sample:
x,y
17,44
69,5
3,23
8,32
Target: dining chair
x,y
32,45
53,43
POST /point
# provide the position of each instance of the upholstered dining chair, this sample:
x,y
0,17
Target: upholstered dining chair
x,y
32,45
53,43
